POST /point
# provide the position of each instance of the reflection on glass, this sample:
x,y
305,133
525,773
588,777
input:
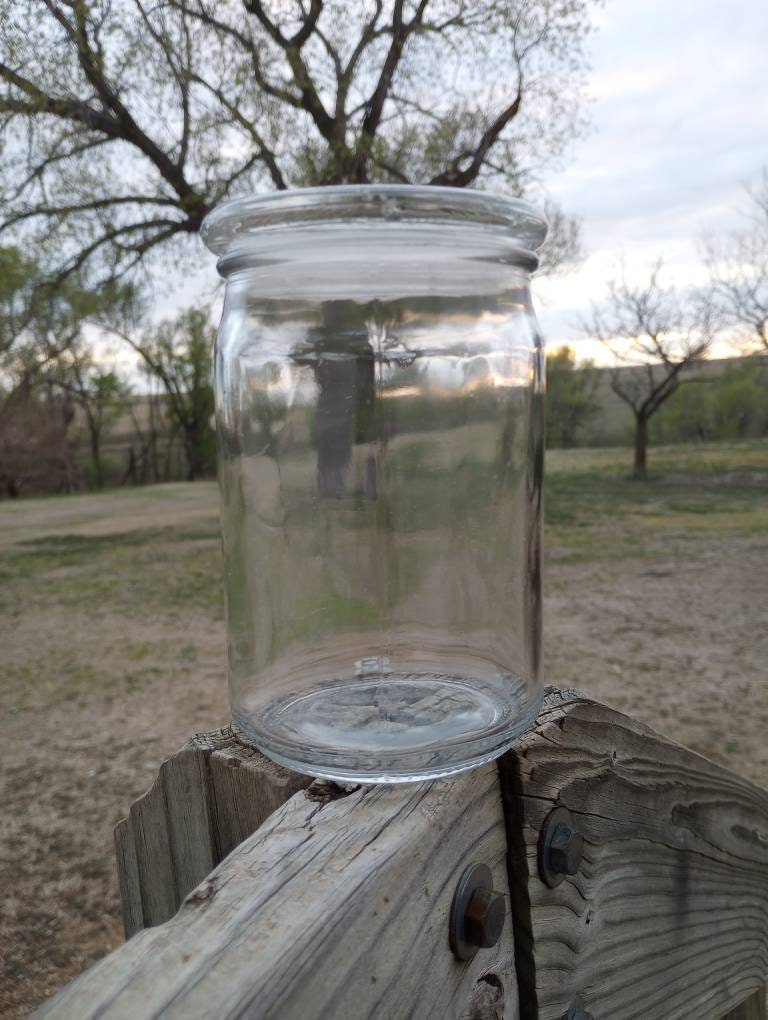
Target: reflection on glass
x,y
381,452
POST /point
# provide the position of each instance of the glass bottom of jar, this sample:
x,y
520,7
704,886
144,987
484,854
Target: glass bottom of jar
x,y
392,728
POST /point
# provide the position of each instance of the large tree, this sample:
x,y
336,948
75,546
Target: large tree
x,y
657,337
124,122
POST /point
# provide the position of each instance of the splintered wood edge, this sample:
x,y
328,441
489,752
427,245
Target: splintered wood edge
x,y
205,800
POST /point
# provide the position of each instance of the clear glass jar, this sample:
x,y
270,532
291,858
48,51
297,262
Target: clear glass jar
x,y
379,392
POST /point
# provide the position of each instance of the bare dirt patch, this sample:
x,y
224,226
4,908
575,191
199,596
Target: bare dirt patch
x,y
679,642
113,653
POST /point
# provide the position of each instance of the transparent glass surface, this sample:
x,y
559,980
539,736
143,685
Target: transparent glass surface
x,y
379,384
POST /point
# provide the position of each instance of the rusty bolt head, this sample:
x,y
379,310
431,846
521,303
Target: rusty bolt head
x,y
477,913
565,850
561,847
484,919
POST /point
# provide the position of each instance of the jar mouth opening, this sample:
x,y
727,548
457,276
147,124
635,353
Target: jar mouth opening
x,y
232,223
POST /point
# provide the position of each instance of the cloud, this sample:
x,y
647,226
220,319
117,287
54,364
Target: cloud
x,y
680,112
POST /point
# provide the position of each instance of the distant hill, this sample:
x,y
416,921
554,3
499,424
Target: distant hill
x,y
612,426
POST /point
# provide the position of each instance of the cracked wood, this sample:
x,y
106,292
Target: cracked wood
x,y
206,800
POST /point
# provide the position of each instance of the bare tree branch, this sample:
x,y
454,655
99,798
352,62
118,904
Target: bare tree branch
x,y
97,203
738,269
263,152
184,101
291,47
39,102
401,30
455,177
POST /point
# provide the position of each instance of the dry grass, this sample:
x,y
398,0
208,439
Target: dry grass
x,y
113,653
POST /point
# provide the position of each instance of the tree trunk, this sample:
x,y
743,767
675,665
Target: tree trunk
x,y
130,472
170,449
641,447
153,474
11,487
98,472
194,454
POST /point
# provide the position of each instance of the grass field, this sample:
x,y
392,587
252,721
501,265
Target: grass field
x,y
113,653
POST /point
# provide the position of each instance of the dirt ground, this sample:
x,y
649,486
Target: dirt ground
x,y
113,653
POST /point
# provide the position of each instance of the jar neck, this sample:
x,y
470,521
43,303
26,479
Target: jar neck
x,y
376,220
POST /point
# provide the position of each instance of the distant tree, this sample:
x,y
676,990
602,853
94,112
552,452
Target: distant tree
x,y
179,353
37,324
41,343
126,122
741,401
738,269
100,394
42,320
152,428
571,401
730,405
37,445
662,334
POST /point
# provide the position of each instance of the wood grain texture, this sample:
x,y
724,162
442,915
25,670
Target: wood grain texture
x,y
333,908
207,799
668,916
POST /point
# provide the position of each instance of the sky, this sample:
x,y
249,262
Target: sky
x,y
678,102
679,111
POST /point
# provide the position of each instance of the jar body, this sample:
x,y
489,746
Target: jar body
x,y
379,393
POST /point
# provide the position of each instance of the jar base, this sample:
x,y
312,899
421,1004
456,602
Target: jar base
x,y
392,729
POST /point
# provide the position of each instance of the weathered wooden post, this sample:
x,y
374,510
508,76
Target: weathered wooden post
x,y
645,896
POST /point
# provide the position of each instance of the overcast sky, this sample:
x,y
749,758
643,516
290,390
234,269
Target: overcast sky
x,y
679,110
680,122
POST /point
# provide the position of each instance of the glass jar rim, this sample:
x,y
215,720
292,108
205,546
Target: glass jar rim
x,y
231,222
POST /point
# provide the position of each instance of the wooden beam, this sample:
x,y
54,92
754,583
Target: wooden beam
x,y
332,908
206,800
668,915
338,905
